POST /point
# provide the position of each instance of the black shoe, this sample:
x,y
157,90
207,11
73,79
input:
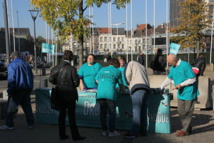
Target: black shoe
x,y
189,131
79,138
129,136
144,134
64,137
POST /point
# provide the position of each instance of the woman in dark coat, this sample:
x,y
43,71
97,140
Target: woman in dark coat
x,y
200,63
66,79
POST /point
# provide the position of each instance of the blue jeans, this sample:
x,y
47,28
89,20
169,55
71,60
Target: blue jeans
x,y
22,97
107,106
139,103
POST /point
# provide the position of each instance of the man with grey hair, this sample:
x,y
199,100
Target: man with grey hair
x,y
185,82
20,85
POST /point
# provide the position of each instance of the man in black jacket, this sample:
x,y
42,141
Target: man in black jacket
x,y
65,77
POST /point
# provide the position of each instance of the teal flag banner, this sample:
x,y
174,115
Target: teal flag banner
x,y
174,48
87,111
48,48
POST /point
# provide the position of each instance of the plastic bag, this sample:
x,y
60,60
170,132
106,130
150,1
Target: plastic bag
x,y
12,107
105,60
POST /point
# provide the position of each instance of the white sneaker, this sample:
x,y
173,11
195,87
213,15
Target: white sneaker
x,y
105,133
6,128
114,134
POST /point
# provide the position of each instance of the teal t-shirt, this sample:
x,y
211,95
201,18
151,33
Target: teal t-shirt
x,y
107,79
181,73
88,74
121,69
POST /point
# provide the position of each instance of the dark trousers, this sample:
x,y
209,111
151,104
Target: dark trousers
x,y
185,111
21,97
69,107
107,106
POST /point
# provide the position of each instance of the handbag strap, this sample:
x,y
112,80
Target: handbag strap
x,y
57,76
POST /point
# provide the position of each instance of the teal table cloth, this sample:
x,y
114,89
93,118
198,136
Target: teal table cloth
x,y
87,110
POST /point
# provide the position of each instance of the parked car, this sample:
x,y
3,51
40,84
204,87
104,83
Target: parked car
x,y
3,70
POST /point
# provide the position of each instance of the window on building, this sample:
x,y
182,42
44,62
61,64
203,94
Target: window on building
x,y
122,38
101,39
122,46
114,47
101,46
105,39
110,39
118,38
105,46
114,39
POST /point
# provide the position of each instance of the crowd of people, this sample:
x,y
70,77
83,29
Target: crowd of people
x,y
117,75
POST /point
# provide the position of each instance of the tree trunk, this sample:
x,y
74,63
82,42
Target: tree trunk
x,y
198,47
80,38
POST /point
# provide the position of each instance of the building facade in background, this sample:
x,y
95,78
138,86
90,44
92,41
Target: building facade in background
x,y
118,41
23,40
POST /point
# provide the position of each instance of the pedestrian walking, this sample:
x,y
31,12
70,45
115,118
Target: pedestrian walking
x,y
140,58
66,79
20,85
200,63
158,64
137,78
185,82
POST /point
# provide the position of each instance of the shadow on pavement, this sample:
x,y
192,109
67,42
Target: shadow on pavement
x,y
200,122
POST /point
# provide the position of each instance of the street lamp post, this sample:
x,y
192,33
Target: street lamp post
x,y
91,33
117,24
211,43
7,41
34,14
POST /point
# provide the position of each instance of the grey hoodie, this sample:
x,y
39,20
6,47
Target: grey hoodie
x,y
136,76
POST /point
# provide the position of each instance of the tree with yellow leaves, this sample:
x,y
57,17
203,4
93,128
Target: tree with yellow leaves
x,y
194,18
67,17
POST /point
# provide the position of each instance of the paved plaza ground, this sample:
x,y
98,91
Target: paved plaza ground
x,y
203,130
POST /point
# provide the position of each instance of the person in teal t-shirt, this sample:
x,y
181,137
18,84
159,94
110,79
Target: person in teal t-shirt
x,y
87,73
107,79
122,61
185,82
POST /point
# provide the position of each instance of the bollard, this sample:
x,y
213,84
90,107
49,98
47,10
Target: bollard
x,y
5,95
44,83
43,69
